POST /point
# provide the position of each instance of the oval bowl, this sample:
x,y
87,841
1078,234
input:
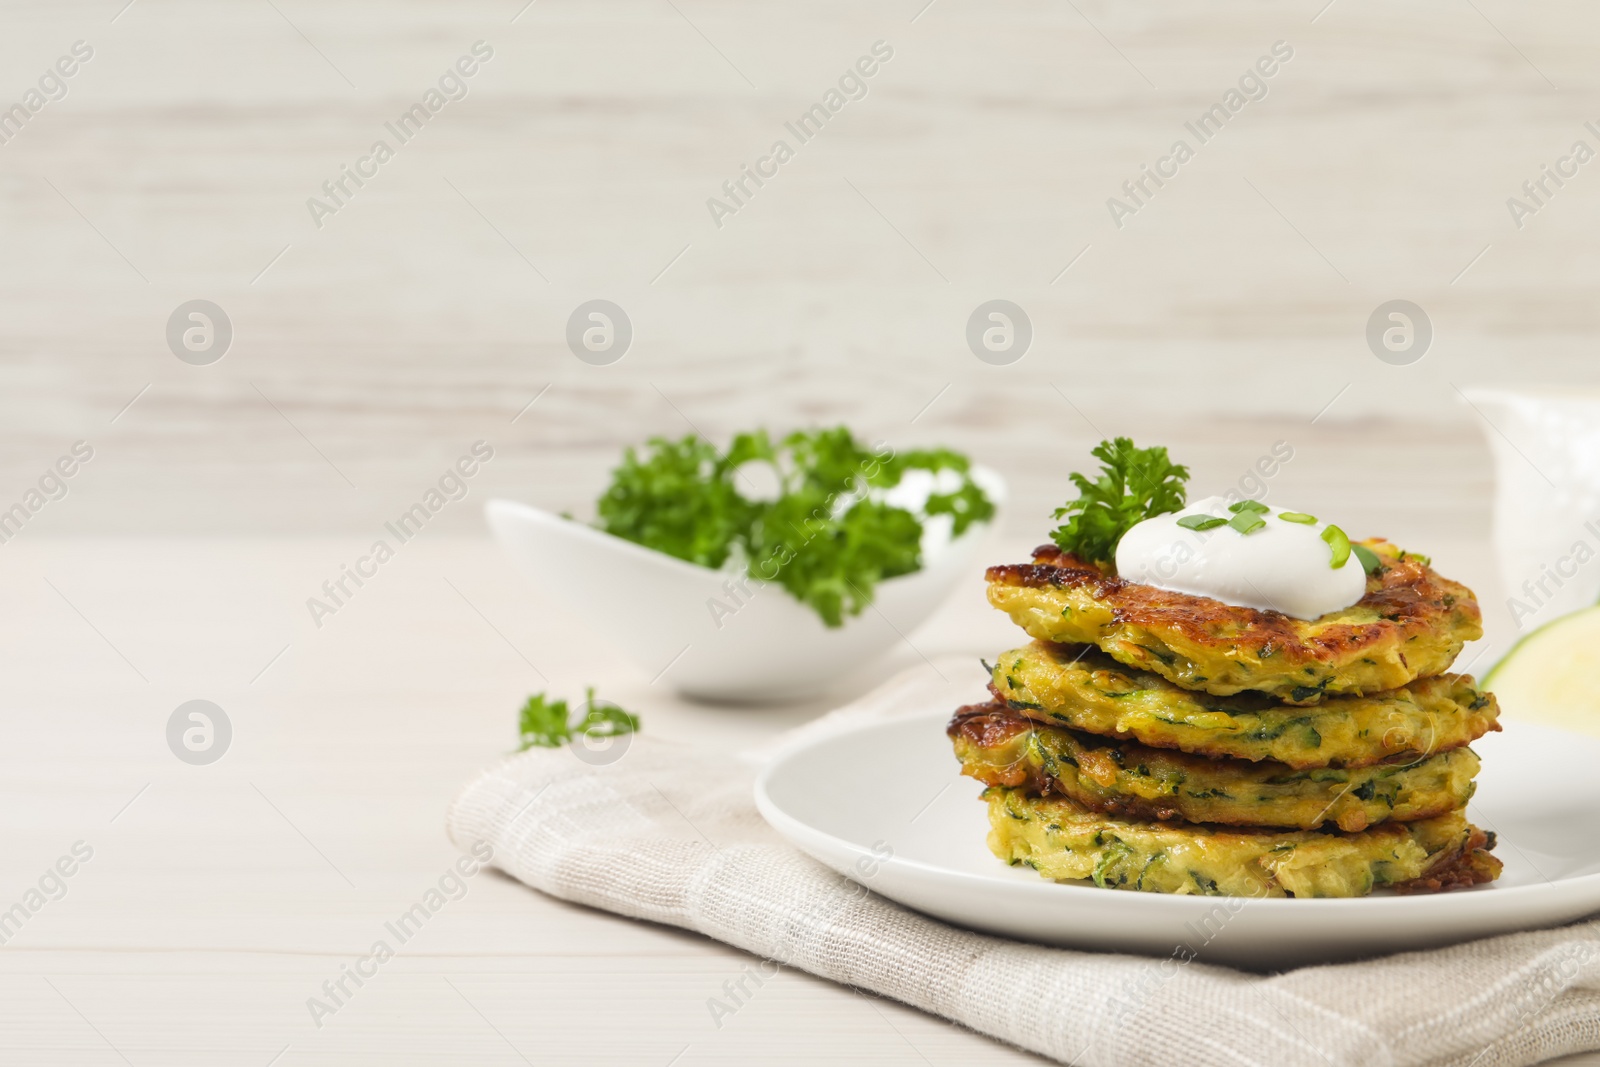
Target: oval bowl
x,y
718,635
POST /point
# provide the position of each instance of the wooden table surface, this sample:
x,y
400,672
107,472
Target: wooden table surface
x,y
373,346
219,898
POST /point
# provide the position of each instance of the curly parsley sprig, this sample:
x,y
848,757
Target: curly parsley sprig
x,y
548,723
827,539
1134,484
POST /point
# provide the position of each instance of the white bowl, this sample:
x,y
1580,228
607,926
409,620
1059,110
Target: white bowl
x,y
697,630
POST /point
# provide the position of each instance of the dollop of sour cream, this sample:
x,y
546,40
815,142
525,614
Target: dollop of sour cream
x,y
1283,566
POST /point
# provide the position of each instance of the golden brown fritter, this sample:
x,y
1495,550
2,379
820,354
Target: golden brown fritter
x,y
1082,688
1410,624
1061,839
1124,778
1471,865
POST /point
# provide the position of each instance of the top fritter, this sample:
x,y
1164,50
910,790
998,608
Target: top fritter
x,y
1410,624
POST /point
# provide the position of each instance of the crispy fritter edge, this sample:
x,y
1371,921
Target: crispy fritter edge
x,y
1406,595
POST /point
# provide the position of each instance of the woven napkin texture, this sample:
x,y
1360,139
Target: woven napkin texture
x,y
667,834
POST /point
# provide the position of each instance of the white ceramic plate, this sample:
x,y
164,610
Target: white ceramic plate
x,y
897,784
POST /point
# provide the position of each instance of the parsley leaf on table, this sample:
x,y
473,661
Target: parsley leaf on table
x,y
1134,484
548,723
543,722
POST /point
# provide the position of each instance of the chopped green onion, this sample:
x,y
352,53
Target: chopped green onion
x,y
1297,516
1368,558
1247,522
1340,543
1248,505
1201,522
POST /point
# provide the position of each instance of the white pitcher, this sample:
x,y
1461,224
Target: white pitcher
x,y
1547,499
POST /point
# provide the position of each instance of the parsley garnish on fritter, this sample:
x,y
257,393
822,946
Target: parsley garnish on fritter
x,y
1134,484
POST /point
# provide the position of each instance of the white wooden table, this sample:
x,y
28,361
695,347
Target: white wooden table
x,y
219,898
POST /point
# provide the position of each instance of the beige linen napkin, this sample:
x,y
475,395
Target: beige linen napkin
x,y
667,834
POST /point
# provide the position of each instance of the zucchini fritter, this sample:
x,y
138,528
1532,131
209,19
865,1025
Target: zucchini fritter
x,y
1129,780
1087,690
1061,840
1411,624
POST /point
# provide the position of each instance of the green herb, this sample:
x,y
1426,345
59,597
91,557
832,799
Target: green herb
x,y
1297,516
1369,559
1201,522
1151,862
828,539
547,723
1249,505
1115,852
1247,522
679,500
1340,543
1169,658
965,505
1134,484
544,723
604,719
1306,692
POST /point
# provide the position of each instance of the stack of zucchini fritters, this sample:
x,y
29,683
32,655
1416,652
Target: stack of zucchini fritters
x,y
1170,743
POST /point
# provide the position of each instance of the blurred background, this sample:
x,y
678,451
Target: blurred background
x,y
431,309
372,344
1225,312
